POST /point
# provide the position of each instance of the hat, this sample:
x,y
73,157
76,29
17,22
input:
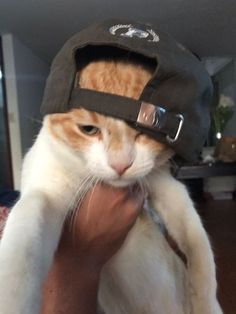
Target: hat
x,y
173,106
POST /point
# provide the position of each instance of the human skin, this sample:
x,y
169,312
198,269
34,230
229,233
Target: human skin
x,y
100,226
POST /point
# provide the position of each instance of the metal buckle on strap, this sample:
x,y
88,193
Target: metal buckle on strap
x,y
150,116
181,121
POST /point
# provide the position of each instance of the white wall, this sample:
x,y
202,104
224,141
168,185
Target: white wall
x,y
25,76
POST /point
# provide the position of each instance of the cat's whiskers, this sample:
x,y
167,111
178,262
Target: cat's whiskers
x,y
144,184
141,168
77,192
32,119
91,196
85,184
141,183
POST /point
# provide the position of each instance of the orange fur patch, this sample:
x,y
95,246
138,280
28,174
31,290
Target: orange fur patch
x,y
115,77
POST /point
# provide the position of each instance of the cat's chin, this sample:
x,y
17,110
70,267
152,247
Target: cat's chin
x,y
119,183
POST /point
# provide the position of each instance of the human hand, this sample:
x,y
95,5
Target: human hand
x,y
102,222
100,226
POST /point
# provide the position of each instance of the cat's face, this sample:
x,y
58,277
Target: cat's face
x,y
111,150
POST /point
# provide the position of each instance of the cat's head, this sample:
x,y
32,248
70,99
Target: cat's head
x,y
111,150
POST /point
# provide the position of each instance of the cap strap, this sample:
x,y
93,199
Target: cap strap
x,y
108,104
138,113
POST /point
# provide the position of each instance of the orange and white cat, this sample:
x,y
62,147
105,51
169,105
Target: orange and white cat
x,y
74,151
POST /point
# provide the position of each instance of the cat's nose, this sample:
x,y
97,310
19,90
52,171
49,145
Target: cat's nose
x,y
120,168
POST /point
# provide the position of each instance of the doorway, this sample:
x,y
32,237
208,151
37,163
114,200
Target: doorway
x,y
6,179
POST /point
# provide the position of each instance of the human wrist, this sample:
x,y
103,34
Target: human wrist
x,y
71,286
82,264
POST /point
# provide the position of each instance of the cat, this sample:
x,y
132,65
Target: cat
x,y
74,151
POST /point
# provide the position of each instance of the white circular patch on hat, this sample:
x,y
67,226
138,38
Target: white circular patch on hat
x,y
128,30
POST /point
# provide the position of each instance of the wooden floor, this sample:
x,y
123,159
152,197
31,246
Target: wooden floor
x,y
219,218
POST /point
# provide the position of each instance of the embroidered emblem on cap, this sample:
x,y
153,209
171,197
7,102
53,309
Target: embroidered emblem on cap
x,y
128,30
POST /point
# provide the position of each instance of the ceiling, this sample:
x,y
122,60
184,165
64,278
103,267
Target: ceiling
x,y
207,27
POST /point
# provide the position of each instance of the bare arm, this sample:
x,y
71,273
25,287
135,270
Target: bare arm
x,y
101,225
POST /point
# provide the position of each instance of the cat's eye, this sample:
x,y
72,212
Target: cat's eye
x,y
89,129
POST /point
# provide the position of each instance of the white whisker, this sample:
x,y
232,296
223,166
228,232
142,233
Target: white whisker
x,y
79,194
86,186
90,199
142,169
